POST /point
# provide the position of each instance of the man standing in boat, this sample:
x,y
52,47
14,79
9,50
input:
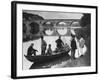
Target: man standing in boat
x,y
73,46
44,45
31,50
59,43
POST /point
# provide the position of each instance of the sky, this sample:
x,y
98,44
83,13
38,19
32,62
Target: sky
x,y
56,15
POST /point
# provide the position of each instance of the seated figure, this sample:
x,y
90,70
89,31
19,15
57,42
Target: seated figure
x,y
31,50
49,50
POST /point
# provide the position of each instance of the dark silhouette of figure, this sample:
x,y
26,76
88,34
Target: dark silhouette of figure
x,y
44,45
59,43
49,50
31,50
73,47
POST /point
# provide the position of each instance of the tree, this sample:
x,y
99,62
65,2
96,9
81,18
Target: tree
x,y
85,20
27,18
34,28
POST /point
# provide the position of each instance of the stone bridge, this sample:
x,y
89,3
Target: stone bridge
x,y
55,25
58,22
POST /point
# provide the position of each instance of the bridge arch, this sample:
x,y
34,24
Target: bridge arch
x,y
48,24
61,23
75,24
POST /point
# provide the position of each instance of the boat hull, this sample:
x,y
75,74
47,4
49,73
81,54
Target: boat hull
x,y
46,58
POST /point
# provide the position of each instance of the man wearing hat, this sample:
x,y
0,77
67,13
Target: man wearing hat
x,y
73,46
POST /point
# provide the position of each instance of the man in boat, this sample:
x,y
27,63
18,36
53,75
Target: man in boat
x,y
44,45
31,50
59,43
49,50
82,46
73,46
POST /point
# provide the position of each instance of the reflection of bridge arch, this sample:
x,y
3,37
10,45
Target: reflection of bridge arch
x,y
34,28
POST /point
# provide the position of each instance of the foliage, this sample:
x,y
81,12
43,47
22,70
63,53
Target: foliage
x,y
85,20
29,30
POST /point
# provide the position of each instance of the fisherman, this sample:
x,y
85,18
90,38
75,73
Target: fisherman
x,y
31,50
73,46
44,45
49,50
59,43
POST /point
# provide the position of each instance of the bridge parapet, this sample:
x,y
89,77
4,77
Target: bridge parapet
x,y
57,22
